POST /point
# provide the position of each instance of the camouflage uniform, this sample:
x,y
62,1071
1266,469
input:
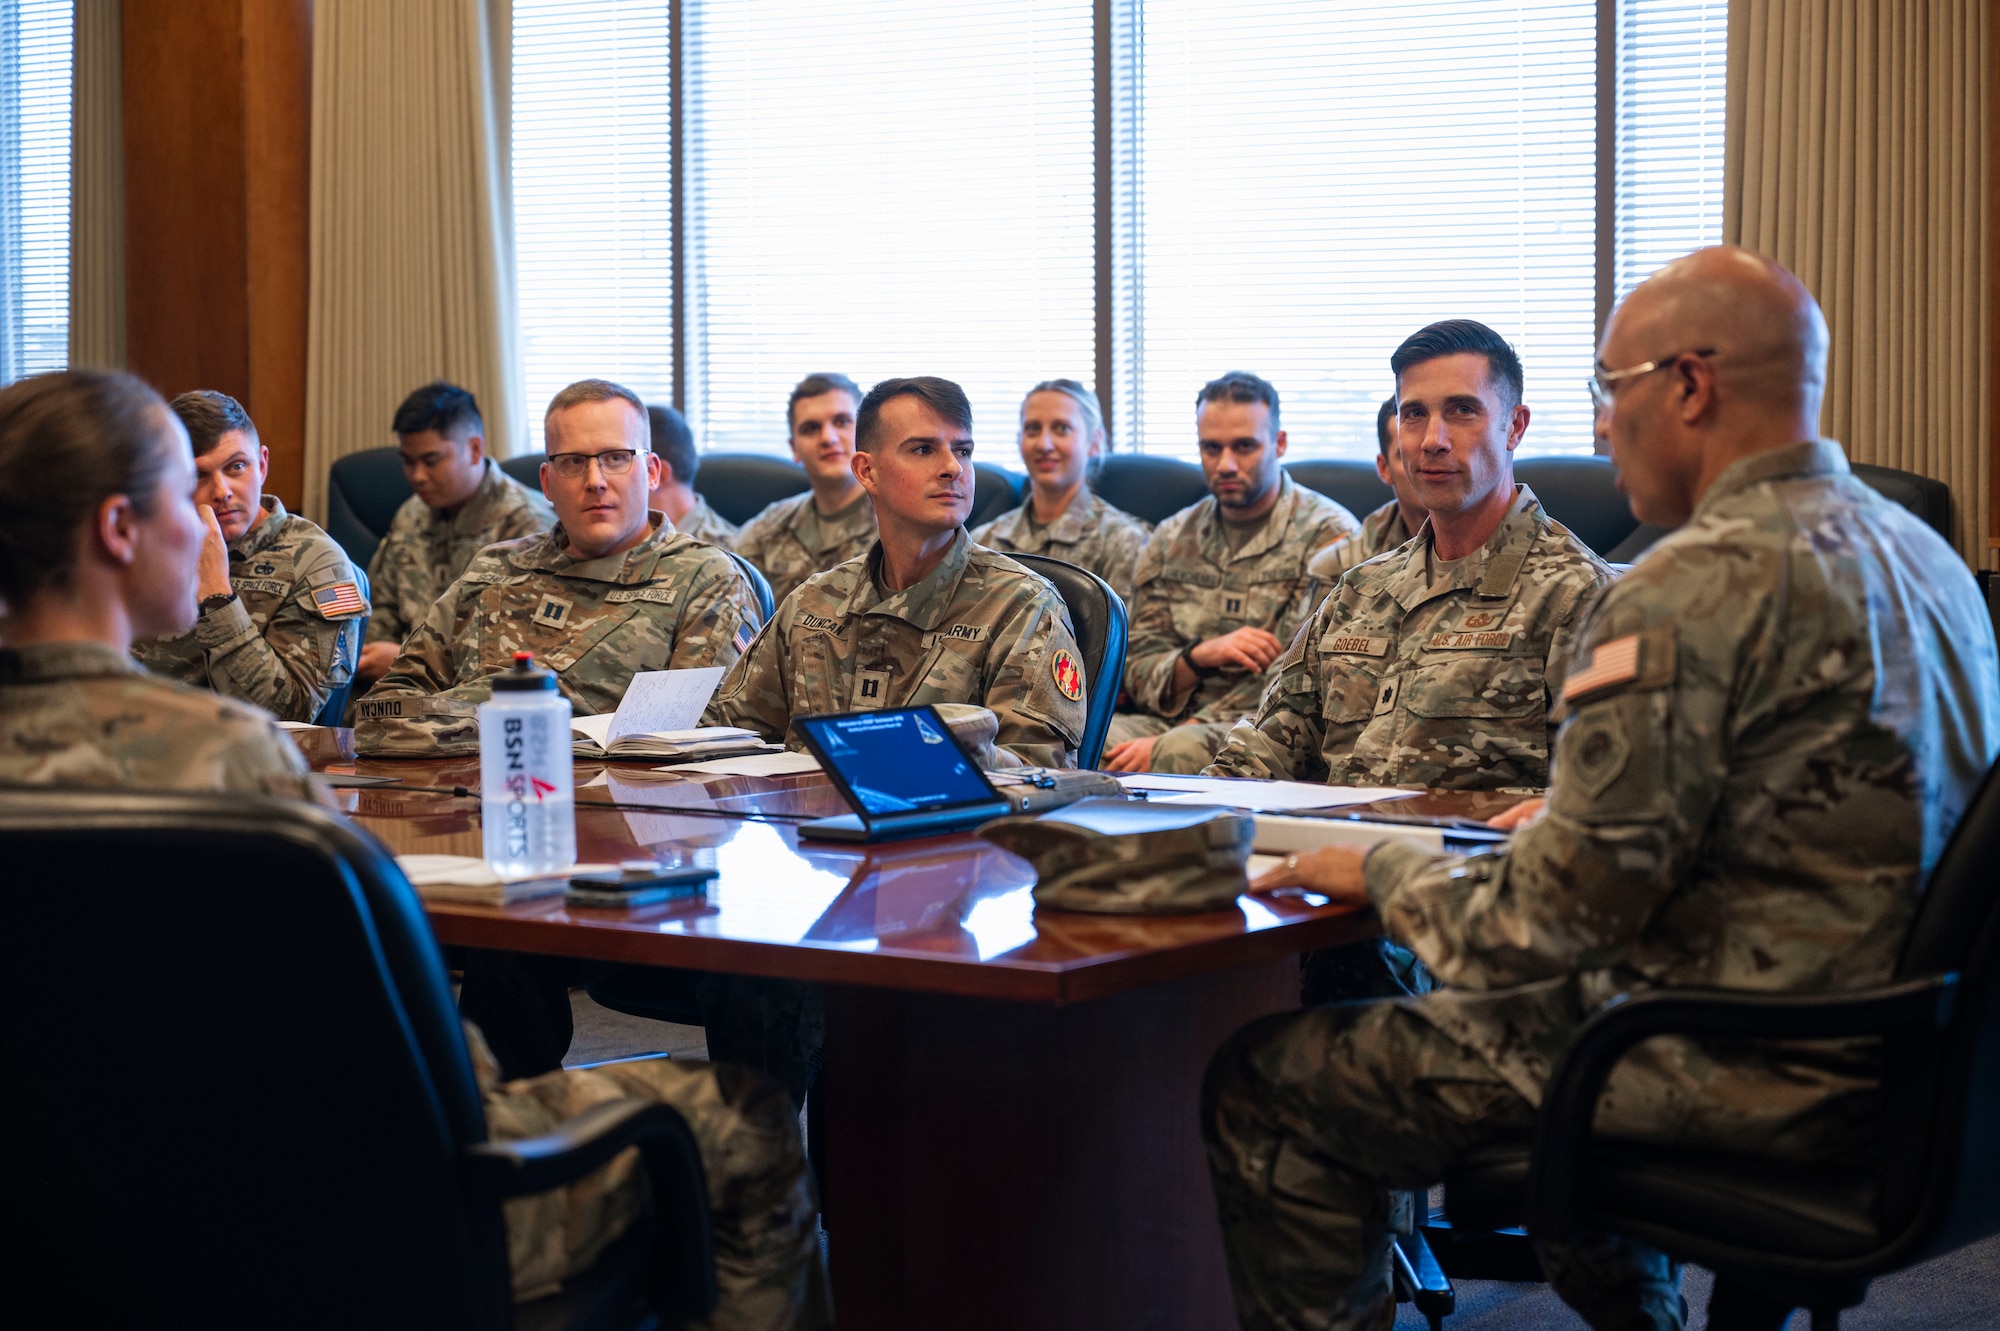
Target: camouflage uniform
x,y
1414,674
82,714
668,603
760,1195
425,551
1108,541
1381,531
791,540
980,629
289,639
1775,720
705,524
1191,587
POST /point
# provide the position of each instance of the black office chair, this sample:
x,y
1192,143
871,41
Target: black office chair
x,y
363,492
994,491
1098,616
334,708
1580,492
1149,486
1351,484
739,486
526,468
760,587
1780,1235
239,1093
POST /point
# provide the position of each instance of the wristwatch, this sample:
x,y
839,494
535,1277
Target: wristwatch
x,y
211,604
1200,671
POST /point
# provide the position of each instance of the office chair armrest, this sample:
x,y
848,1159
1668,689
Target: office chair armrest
x,y
683,1273
1565,1126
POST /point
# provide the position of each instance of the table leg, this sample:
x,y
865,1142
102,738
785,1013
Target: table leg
x,y
1008,1165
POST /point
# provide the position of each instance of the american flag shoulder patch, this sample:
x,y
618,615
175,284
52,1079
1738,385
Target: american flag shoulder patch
x,y
1614,662
744,636
339,600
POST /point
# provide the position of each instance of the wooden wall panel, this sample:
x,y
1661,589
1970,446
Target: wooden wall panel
x,y
217,109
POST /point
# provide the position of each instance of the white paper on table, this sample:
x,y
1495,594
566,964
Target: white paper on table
x,y
470,871
664,700
751,764
1266,796
596,729
297,725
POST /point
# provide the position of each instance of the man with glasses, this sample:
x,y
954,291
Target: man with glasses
x,y
1772,725
461,503
611,590
1220,588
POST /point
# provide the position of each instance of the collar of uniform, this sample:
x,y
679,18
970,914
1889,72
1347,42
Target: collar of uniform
x,y
828,529
471,515
264,533
1379,529
1491,570
44,662
924,604
1277,523
1067,529
635,565
1814,457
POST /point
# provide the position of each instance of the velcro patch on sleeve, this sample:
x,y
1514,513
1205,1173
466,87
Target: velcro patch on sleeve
x,y
1613,662
339,600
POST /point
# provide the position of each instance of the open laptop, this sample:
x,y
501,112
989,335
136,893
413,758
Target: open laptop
x,y
902,770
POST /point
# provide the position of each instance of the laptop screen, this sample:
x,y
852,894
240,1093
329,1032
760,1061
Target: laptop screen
x,y
898,761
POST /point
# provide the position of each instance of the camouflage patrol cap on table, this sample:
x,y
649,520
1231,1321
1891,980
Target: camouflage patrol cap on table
x,y
1123,857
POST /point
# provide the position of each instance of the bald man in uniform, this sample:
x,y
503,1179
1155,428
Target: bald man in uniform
x,y
1771,726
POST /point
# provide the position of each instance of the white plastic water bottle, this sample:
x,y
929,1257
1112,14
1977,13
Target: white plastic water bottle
x,y
526,784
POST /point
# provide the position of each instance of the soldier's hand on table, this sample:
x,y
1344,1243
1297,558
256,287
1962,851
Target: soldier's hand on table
x,y
1519,816
1252,648
212,573
1134,755
1332,871
376,658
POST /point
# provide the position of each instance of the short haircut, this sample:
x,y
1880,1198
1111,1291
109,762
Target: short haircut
x,y
674,442
1385,424
1452,337
591,390
1240,386
208,415
816,385
445,408
68,442
943,396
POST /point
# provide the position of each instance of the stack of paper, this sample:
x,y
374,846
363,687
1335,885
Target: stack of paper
x,y
1255,796
656,719
469,881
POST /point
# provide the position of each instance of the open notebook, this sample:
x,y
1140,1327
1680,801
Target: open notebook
x,y
657,720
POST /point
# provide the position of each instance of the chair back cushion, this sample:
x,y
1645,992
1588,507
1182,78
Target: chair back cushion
x,y
239,1087
1928,499
1098,616
1351,484
525,468
1582,494
363,492
1149,486
760,587
994,491
739,486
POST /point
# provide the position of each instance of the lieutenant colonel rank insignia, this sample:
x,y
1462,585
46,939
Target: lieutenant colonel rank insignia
x,y
339,600
1067,676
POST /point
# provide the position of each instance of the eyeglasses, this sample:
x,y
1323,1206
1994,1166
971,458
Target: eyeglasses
x,y
613,461
1603,383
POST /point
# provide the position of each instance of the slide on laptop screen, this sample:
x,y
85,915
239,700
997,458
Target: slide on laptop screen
x,y
902,770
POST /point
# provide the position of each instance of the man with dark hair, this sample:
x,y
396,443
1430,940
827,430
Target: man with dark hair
x,y
1388,526
281,611
673,445
461,503
1774,722
925,616
1221,586
833,521
609,591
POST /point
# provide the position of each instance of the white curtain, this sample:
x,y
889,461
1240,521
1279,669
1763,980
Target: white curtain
x,y
1859,150
412,237
97,189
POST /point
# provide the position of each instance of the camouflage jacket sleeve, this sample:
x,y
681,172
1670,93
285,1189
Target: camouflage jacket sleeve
x,y
1039,723
720,616
300,658
272,765
1124,547
1638,766
419,709
755,692
1285,738
387,567
1153,643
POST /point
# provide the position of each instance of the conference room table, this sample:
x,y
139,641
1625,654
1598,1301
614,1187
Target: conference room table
x,y
1010,1113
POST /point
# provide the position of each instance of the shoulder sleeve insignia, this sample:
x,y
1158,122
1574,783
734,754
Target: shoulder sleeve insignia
x,y
339,600
1067,674
1614,662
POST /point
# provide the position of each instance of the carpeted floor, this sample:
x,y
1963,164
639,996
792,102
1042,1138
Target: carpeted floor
x,y
1960,1292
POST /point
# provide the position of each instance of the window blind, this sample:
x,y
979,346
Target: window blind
x,y
593,195
905,187
34,186
1315,182
1672,63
